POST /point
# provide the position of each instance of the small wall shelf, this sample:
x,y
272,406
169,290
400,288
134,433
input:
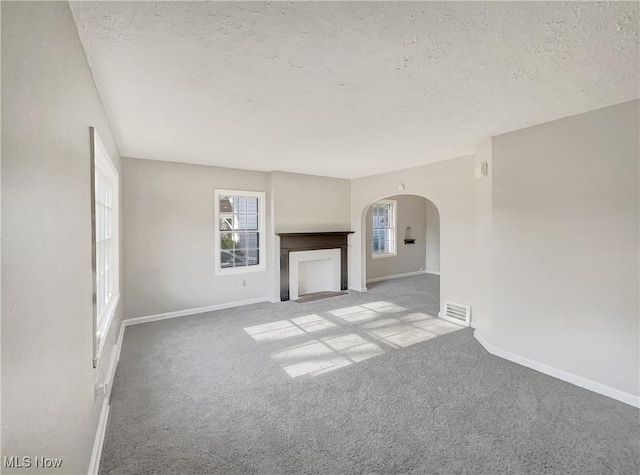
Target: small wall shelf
x,y
408,236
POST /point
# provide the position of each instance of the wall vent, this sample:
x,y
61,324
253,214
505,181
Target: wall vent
x,y
457,313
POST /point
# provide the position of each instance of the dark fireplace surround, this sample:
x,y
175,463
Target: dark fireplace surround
x,y
312,241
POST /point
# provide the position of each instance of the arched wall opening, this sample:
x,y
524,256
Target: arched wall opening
x,y
416,246
450,185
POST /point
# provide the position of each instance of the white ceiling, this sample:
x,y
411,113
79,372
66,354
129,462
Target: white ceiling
x,y
348,89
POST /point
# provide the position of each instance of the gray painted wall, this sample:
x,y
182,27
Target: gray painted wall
x,y
303,203
169,231
49,100
433,238
450,186
169,261
411,211
310,203
482,316
565,232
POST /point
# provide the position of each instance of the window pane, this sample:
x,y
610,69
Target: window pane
x,y
105,264
97,186
107,285
239,204
100,268
239,221
105,223
226,241
252,221
226,222
384,216
225,204
226,259
253,257
240,250
252,240
103,217
108,222
252,205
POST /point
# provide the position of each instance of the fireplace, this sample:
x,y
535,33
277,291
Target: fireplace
x,y
314,271
312,241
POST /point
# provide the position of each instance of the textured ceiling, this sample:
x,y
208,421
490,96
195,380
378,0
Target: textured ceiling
x,y
348,89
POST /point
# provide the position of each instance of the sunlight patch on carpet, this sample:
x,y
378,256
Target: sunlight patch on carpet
x,y
319,356
288,328
370,330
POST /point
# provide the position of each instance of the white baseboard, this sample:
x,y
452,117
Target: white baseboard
x,y
119,342
194,311
396,276
116,351
358,289
96,453
560,374
434,272
111,371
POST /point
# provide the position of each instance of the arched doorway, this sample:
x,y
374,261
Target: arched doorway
x,y
401,235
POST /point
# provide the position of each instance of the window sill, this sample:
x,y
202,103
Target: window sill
x,y
380,256
240,270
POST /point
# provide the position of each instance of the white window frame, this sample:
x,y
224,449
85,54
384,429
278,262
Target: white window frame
x,y
394,227
262,248
101,163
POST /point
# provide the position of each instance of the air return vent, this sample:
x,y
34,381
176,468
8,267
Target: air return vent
x,y
457,313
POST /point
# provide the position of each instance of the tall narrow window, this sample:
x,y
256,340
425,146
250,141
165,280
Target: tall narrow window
x,y
239,231
383,215
106,241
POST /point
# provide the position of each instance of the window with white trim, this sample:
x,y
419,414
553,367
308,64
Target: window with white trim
x,y
239,224
106,256
383,215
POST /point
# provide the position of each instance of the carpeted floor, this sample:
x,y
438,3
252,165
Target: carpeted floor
x,y
318,296
360,383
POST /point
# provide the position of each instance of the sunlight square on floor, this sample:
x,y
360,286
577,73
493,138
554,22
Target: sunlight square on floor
x,y
326,354
407,336
354,314
274,331
384,307
353,347
312,323
288,328
407,330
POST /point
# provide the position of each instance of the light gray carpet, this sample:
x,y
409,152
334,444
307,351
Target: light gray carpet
x,y
318,296
200,394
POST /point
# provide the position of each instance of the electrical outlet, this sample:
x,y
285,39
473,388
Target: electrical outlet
x,y
242,284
